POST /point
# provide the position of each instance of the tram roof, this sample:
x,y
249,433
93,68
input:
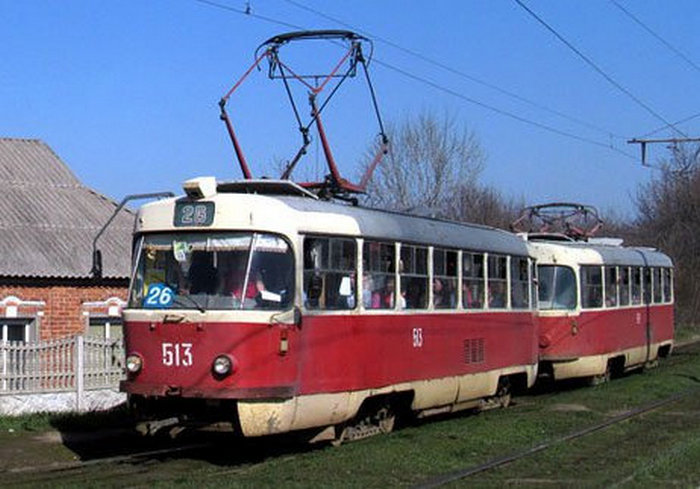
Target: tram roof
x,y
381,224
613,254
274,204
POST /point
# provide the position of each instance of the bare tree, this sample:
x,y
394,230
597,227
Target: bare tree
x,y
429,160
669,217
484,205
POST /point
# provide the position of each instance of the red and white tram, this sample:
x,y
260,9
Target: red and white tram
x,y
258,305
604,308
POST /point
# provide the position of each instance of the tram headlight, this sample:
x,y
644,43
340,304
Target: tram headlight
x,y
223,365
134,363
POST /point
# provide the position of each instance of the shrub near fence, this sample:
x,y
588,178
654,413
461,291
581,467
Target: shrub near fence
x,y
76,365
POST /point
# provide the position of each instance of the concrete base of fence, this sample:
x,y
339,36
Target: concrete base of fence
x,y
58,402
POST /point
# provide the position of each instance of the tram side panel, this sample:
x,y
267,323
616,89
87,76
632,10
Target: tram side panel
x,y
460,356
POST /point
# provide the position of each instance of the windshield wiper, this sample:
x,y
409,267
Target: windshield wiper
x,y
191,300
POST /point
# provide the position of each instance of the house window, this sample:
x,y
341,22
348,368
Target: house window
x,y
17,329
106,327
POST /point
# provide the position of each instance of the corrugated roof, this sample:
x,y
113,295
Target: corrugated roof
x,y
48,219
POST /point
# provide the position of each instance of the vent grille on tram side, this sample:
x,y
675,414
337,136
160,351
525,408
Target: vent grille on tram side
x,y
474,350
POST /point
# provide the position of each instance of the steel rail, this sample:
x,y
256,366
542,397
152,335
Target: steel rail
x,y
115,459
446,478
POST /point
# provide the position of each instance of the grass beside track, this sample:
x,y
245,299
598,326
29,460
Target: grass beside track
x,y
657,449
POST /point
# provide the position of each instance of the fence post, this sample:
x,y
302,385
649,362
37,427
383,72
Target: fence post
x,y
4,364
80,372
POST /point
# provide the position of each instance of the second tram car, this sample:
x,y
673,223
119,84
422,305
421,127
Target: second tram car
x,y
258,306
604,308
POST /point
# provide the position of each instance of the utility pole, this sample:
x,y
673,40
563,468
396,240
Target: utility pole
x,y
644,142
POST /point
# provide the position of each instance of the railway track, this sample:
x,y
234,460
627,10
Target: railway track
x,y
164,460
453,476
95,469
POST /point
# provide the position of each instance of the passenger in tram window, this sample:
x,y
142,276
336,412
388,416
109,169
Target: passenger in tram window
x,y
234,271
443,294
370,297
345,298
314,291
471,295
202,274
497,295
388,296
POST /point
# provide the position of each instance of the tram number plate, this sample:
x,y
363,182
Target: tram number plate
x,y
177,354
193,214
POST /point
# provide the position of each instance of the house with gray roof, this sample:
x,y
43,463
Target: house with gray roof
x,y
48,220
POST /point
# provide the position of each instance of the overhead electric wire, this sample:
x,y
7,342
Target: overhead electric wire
x,y
663,41
456,71
682,121
500,111
599,70
436,85
249,13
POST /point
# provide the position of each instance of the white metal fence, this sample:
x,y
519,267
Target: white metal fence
x,y
67,365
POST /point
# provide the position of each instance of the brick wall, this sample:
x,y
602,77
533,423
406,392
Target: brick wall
x,y
59,307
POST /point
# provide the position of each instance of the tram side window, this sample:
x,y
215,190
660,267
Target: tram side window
x,y
668,285
646,285
329,273
444,279
624,286
591,286
379,280
414,276
658,286
636,285
610,286
472,280
498,282
519,283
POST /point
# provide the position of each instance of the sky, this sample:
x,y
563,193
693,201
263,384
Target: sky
x,y
126,91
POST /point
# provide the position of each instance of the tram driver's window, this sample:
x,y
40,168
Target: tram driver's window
x,y
591,286
329,273
379,275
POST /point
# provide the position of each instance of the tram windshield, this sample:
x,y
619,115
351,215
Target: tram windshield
x,y
557,287
213,271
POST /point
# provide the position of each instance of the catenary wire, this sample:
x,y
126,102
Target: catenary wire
x,y
682,121
502,112
435,85
595,67
456,71
663,41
